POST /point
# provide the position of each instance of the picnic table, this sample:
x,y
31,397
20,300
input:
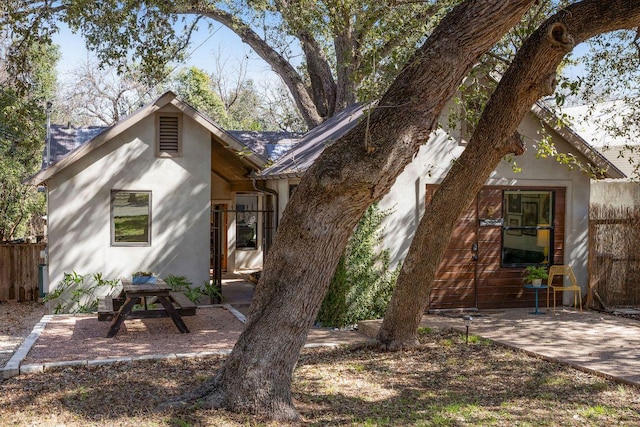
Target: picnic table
x,y
139,293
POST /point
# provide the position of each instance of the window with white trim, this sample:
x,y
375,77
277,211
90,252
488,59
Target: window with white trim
x,y
130,218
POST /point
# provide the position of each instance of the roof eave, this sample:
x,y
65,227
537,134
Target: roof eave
x,y
167,98
230,141
593,155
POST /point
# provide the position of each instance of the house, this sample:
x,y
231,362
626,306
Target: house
x,y
140,195
538,215
168,190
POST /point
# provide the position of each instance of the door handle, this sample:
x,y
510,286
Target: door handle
x,y
474,257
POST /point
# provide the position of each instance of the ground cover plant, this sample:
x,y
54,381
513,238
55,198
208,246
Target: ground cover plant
x,y
443,382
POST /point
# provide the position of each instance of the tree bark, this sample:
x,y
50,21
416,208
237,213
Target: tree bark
x,y
530,76
349,175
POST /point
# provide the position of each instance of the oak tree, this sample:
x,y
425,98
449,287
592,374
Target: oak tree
x,y
531,76
346,47
355,171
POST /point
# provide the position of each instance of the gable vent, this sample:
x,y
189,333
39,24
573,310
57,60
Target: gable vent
x,y
169,136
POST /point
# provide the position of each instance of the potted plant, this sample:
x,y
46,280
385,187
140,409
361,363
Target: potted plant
x,y
535,274
140,277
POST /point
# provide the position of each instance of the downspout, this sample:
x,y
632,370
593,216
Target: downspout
x,y
274,193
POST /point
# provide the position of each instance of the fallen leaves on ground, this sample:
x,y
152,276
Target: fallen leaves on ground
x,y
444,382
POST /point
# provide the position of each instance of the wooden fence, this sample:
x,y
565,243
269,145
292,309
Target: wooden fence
x,y
614,256
19,271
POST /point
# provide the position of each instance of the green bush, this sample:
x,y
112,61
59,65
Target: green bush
x,y
76,293
183,284
362,283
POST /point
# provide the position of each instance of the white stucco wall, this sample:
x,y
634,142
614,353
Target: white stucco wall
x,y
79,207
406,197
616,193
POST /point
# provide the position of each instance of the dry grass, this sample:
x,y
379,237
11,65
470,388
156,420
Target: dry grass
x,y
443,383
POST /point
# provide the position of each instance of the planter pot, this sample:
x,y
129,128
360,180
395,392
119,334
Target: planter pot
x,y
536,282
139,280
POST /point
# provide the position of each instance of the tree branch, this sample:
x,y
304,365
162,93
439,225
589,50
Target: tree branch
x,y
530,76
280,65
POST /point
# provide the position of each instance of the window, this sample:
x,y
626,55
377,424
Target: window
x,y
130,218
246,222
168,135
527,233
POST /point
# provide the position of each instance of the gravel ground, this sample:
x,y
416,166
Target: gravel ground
x,y
16,323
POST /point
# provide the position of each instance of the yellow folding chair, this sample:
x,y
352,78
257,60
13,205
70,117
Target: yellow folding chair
x,y
564,270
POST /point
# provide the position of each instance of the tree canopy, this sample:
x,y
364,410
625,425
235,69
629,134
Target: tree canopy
x,y
328,53
22,138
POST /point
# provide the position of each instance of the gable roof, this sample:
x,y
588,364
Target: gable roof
x,y
579,143
621,150
295,162
64,139
83,146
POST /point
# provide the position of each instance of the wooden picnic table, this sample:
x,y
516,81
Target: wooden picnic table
x,y
135,293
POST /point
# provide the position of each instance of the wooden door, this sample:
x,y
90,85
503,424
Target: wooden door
x,y
455,283
497,286
471,274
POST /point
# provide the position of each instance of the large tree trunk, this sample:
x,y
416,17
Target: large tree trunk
x,y
531,76
342,183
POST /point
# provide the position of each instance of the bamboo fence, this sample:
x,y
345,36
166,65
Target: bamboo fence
x,y
614,256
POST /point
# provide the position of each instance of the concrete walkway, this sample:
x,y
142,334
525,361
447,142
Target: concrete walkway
x,y
590,341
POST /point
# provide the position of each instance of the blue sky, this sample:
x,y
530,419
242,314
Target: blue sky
x,y
206,42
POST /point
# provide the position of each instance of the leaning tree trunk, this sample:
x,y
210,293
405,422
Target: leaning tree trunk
x,y
531,76
351,174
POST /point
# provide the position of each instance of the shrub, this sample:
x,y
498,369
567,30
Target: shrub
x,y
362,283
183,284
77,293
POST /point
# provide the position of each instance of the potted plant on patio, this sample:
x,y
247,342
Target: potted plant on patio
x,y
535,274
140,277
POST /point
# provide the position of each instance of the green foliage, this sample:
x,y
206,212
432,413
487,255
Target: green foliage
x,y
362,284
77,293
142,274
374,38
182,284
22,136
195,87
535,272
211,290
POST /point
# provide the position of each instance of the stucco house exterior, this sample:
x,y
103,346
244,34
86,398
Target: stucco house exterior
x,y
168,190
140,195
537,215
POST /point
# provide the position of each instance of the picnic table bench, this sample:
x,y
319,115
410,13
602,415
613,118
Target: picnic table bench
x,y
109,305
117,309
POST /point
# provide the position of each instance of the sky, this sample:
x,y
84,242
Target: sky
x,y
205,44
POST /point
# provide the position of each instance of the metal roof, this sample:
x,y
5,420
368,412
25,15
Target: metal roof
x,y
298,159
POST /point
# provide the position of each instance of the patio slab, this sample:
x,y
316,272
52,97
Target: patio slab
x,y
590,341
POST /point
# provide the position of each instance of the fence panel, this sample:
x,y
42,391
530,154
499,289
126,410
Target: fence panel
x,y
614,258
19,271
